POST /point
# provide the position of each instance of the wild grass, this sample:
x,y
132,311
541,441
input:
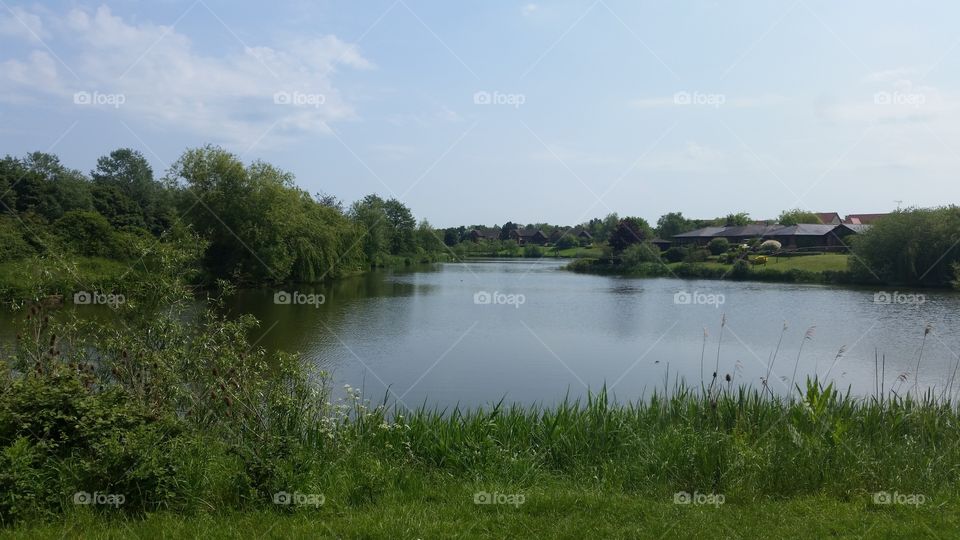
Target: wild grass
x,y
183,416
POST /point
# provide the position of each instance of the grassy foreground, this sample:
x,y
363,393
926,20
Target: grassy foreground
x,y
446,511
171,423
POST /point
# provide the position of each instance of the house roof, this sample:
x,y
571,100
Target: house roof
x,y
749,230
863,219
856,227
527,233
828,217
705,232
486,233
803,229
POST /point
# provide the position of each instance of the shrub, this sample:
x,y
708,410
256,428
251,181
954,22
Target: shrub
x,y
675,254
770,246
636,254
759,260
86,233
533,252
14,245
567,241
697,255
741,269
718,246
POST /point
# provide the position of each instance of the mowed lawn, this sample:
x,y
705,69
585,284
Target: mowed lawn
x,y
810,263
554,513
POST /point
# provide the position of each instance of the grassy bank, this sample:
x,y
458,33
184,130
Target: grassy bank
x,y
36,277
173,421
446,510
821,268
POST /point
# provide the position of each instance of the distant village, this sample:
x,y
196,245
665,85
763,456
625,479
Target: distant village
x,y
827,232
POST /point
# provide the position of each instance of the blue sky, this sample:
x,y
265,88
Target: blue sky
x,y
482,112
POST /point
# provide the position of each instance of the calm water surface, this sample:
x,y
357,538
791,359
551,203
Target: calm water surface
x,y
423,335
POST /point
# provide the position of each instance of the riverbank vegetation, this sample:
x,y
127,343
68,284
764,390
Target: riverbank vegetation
x,y
913,247
246,223
171,410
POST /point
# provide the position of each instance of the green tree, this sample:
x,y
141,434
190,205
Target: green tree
x,y
642,252
672,224
507,229
718,246
371,217
630,230
401,227
917,246
797,216
736,220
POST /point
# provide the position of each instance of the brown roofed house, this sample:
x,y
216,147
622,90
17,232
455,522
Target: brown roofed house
x,y
829,218
863,219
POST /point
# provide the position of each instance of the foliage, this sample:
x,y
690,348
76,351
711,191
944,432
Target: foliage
x,y
675,254
635,254
770,246
672,224
916,246
718,246
695,255
630,230
532,251
797,216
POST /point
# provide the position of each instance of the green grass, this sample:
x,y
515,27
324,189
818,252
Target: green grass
x,y
810,263
446,510
198,431
36,277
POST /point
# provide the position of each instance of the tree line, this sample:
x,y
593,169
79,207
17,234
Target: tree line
x,y
250,224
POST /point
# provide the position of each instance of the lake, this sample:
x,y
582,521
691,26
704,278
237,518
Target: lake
x,y
530,332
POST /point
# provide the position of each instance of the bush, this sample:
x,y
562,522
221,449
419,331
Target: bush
x,y
728,258
636,254
86,233
718,246
741,269
697,255
916,247
14,245
770,246
532,252
675,254
567,241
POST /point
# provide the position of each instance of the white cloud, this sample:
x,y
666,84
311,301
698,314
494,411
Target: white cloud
x,y
529,9
22,24
166,82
